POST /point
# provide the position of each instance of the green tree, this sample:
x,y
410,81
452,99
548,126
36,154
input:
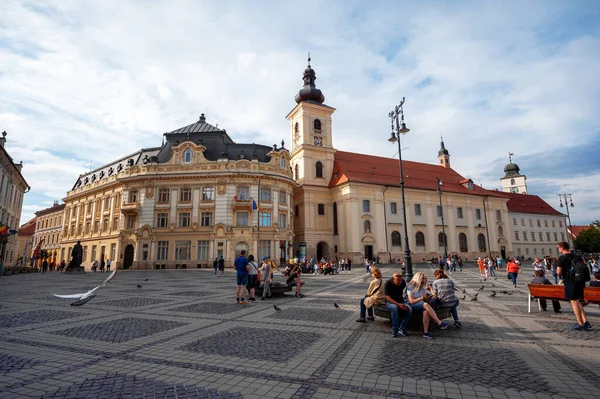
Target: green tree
x,y
588,240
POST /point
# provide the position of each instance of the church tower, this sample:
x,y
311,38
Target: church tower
x,y
444,156
513,181
311,134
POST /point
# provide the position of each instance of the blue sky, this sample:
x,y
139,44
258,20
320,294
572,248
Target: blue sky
x,y
86,82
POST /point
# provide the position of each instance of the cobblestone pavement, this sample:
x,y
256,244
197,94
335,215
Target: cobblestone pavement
x,y
183,336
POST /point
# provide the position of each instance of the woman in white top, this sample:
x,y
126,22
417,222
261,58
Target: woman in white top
x,y
419,294
252,277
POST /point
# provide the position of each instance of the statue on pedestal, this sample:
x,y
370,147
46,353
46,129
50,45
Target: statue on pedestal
x,y
76,259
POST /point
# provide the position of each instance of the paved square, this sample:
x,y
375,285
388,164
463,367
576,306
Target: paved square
x,y
182,336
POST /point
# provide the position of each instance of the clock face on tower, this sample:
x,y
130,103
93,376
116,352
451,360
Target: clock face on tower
x,y
318,140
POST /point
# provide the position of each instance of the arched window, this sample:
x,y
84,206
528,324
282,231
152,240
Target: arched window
x,y
319,169
420,238
297,172
481,243
335,219
512,182
187,156
317,124
500,231
462,242
442,239
367,225
396,239
282,162
241,246
297,128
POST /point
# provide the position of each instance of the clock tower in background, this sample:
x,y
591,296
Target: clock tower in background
x,y
513,181
312,158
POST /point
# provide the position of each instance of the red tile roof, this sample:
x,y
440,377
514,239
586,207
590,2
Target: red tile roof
x,y
576,230
527,203
28,228
370,169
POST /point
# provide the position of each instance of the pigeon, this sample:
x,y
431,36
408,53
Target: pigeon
x,y
146,280
480,289
276,308
474,298
86,296
463,298
139,286
493,294
504,292
484,279
336,305
464,291
493,285
495,278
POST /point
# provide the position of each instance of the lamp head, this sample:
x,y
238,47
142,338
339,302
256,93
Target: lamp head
x,y
403,128
561,205
572,205
393,138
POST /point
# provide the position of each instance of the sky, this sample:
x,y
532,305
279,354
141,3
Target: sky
x,y
83,83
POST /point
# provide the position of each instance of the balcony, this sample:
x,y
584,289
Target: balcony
x,y
128,208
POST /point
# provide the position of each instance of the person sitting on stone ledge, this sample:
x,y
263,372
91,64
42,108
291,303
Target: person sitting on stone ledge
x,y
418,297
294,281
395,303
375,296
443,289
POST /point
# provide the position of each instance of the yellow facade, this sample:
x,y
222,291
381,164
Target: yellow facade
x,y
48,231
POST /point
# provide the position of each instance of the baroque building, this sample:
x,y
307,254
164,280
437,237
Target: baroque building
x,y
48,231
25,242
350,204
198,196
12,189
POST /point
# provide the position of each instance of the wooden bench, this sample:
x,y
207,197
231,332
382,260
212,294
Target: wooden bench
x,y
557,293
414,322
276,290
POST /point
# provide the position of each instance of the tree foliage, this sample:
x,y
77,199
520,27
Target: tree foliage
x,y
589,240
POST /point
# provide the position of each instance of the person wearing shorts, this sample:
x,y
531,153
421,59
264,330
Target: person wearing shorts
x,y
573,289
241,271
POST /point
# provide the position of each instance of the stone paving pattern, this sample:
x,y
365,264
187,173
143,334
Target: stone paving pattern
x,y
182,336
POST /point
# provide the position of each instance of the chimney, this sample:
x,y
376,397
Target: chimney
x,y
3,139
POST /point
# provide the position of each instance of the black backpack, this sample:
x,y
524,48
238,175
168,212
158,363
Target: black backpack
x,y
579,270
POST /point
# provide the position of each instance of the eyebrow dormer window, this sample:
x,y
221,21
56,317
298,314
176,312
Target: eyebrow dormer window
x,y
317,124
187,156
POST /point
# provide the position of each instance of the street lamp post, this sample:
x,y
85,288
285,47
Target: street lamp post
x,y
439,190
568,201
397,116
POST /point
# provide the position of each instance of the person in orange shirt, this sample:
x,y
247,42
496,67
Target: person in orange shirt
x,y
512,270
480,263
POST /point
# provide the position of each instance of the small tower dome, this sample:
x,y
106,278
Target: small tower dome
x,y
309,92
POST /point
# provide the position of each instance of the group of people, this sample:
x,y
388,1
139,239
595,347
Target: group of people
x,y
249,276
420,298
101,265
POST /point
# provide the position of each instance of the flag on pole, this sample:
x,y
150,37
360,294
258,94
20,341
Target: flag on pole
x,y
255,207
36,252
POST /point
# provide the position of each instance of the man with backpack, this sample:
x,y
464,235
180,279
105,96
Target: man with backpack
x,y
574,273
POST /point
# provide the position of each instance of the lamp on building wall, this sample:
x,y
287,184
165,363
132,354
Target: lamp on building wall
x,y
439,190
568,202
397,116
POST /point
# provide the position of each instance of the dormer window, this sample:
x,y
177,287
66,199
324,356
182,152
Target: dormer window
x,y
470,186
317,125
187,156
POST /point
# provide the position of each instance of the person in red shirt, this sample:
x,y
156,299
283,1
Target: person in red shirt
x,y
512,270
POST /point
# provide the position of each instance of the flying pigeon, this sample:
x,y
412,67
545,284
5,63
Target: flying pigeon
x,y
86,296
336,305
493,294
276,308
146,280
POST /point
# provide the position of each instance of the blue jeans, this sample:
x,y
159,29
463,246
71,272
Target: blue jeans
x,y
454,311
555,278
363,309
395,316
513,277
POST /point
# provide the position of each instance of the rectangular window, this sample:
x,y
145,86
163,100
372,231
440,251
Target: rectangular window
x,y
93,253
439,211
530,223
184,219
522,222
553,225
418,209
282,220
113,251
539,223
185,195
514,221
498,215
282,197
478,214
524,236
459,212
264,248
547,236
545,223
241,219
366,206
265,195
541,236
162,220
96,227
203,250
106,203
164,195
115,226
516,236
321,209
208,194
133,196
131,220
393,208
562,236
526,251
183,250
532,236
88,227
85,254
559,223
555,236
543,251
264,219
206,219
105,225
162,250
243,193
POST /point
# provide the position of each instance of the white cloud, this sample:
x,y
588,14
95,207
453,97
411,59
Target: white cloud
x,y
95,81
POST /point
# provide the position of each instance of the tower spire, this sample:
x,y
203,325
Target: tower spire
x,y
310,92
443,154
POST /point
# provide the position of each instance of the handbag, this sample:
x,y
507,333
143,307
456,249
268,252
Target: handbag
x,y
374,291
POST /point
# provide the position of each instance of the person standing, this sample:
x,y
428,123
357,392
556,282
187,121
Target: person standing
x,y
252,277
102,264
480,264
491,267
265,272
395,303
44,266
512,270
573,289
241,270
216,265
222,266
108,265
